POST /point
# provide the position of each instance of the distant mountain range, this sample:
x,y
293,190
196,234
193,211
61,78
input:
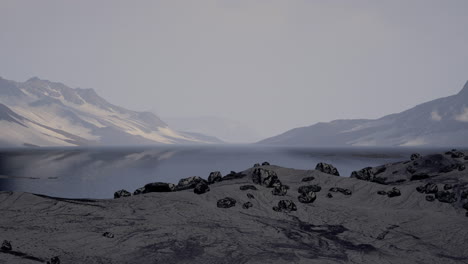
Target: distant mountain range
x,y
44,113
441,122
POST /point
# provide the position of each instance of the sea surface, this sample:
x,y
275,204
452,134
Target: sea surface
x,y
99,172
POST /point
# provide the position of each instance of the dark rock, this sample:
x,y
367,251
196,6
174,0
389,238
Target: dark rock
x,y
307,197
189,183
285,206
256,165
419,176
139,191
122,193
248,187
457,154
411,169
430,198
280,190
446,197
308,179
382,193
54,260
329,195
159,187
327,168
466,158
465,206
247,205
448,186
367,174
461,167
108,235
250,196
234,175
421,189
309,188
266,163
201,187
415,156
215,176
394,192
6,246
227,202
464,194
265,177
341,190
430,188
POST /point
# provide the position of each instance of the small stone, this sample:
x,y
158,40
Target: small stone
x,y
189,183
54,260
122,193
280,190
250,196
308,197
461,167
108,235
430,198
329,195
394,192
201,188
6,246
308,179
285,206
247,205
266,163
341,190
247,187
421,189
227,202
419,176
382,193
267,178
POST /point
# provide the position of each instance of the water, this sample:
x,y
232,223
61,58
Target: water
x,y
99,172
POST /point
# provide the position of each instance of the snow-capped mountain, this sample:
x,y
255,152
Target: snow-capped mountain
x,y
44,113
442,122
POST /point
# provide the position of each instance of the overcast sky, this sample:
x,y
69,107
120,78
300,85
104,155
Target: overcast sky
x,y
273,65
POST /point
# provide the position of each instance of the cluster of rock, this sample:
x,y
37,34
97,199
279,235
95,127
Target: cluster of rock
x,y
433,193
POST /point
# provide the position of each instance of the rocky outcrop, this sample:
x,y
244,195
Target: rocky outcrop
x,y
201,187
121,193
215,176
281,190
247,187
227,202
307,197
189,183
267,178
285,206
327,168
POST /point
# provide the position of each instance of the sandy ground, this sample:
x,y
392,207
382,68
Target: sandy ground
x,y
184,227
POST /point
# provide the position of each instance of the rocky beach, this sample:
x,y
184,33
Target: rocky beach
x,y
413,211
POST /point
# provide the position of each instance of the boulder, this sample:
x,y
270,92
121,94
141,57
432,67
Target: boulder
x,y
234,175
446,197
247,205
266,163
327,168
54,260
307,197
267,178
250,196
280,190
309,188
308,179
215,176
382,193
6,246
108,235
341,190
431,188
189,183
158,187
201,187
449,168
415,156
285,206
227,202
122,193
394,192
430,198
248,187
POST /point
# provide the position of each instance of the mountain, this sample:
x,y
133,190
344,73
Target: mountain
x,y
441,122
44,113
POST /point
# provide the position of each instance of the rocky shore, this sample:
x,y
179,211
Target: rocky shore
x,y
413,211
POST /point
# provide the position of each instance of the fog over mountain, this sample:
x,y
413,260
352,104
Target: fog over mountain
x,y
44,113
441,122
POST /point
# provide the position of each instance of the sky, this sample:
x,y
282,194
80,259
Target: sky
x,y
271,65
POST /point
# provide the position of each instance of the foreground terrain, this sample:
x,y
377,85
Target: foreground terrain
x,y
413,211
